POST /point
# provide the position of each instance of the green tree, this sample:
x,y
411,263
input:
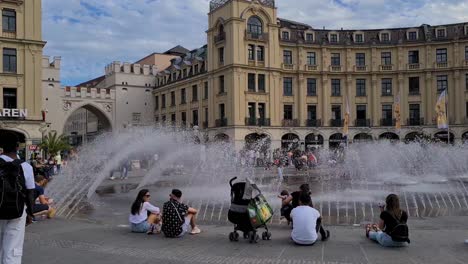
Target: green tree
x,y
53,143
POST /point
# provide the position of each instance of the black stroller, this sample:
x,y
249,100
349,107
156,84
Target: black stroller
x,y
239,214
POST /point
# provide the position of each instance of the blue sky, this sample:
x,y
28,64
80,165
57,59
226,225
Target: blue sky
x,y
89,34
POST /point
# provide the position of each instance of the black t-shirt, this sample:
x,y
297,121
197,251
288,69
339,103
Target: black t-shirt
x,y
38,191
295,199
390,222
173,220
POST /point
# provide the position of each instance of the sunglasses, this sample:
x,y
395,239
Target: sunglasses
x,y
147,195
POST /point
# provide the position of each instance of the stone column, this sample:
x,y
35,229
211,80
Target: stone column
x,y
430,103
456,96
301,99
326,108
375,101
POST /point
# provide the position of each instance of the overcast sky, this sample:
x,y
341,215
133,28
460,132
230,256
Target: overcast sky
x,y
89,34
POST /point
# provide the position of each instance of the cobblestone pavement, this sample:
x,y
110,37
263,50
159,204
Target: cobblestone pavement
x,y
434,240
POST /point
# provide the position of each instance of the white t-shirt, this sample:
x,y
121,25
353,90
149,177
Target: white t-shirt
x,y
143,215
304,224
27,171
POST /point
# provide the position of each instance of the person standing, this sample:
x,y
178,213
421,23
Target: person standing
x,y
280,172
17,186
58,162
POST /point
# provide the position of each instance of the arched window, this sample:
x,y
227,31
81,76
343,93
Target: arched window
x,y
254,25
221,29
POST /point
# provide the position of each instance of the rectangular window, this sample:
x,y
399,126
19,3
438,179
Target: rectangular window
x,y
385,37
387,87
361,87
287,112
311,87
261,82
466,53
413,56
163,101
196,69
412,35
361,112
205,94
251,112
184,73
260,53
336,112
173,118
441,55
386,58
251,82
261,112
183,97
251,52
194,93
335,59
387,113
311,58
221,84
413,85
206,116
442,83
172,98
222,113
312,112
466,81
9,20
333,38
440,33
359,38
156,103
310,37
9,98
288,86
195,117
414,113
221,54
336,87
183,118
9,60
285,35
360,59
163,118
287,57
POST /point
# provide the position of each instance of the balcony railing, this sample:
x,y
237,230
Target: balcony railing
x,y
415,121
335,68
313,123
360,68
387,122
386,67
220,37
336,122
288,66
249,121
205,125
221,122
9,34
256,36
362,123
311,67
441,65
414,66
264,122
290,123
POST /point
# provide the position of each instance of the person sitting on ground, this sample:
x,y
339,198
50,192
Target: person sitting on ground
x,y
393,223
177,217
144,217
286,207
43,208
307,222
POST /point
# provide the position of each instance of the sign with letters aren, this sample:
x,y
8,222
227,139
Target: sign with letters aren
x,y
19,113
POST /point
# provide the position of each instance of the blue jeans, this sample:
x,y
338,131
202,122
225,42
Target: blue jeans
x,y
385,240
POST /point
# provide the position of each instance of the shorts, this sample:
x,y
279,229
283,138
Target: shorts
x,y
185,227
40,208
142,227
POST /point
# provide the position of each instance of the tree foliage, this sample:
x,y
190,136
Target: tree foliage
x,y
53,143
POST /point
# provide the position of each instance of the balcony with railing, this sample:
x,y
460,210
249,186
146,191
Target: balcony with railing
x,y
388,67
250,121
9,34
311,67
256,36
415,122
221,122
414,66
362,123
290,123
287,66
387,122
335,68
360,68
336,122
441,65
313,122
220,37
266,122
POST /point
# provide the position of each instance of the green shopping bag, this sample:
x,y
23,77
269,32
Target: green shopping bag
x,y
260,212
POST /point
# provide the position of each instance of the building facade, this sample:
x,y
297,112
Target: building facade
x,y
260,76
20,70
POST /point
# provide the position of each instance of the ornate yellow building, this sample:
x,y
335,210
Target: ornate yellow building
x,y
20,69
260,76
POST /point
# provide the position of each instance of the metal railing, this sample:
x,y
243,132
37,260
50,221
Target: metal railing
x,y
336,122
290,123
387,122
415,121
362,123
313,122
221,122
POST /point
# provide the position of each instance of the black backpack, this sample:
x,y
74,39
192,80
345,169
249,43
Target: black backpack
x,y
400,233
13,190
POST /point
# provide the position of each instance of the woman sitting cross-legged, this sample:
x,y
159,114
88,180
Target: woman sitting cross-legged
x,y
144,217
393,223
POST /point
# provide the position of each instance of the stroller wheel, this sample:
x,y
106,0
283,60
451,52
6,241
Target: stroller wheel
x,y
236,236
231,236
268,235
246,235
264,236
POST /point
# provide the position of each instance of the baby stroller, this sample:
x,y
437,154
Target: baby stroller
x,y
248,214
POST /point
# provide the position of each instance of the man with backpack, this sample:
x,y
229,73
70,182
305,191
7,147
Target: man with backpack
x,y
16,200
177,217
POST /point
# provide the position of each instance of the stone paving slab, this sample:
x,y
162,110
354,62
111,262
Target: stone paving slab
x,y
61,241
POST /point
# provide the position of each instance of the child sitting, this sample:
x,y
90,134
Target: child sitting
x,y
286,206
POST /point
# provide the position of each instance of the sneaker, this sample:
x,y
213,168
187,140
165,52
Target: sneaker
x,y
195,231
112,178
327,237
157,229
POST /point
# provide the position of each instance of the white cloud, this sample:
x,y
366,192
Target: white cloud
x,y
89,34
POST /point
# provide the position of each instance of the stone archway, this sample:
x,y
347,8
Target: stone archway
x,y
443,136
336,140
314,141
414,137
362,138
464,138
389,136
221,138
255,141
290,141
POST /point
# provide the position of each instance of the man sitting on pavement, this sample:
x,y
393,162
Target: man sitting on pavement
x,y
43,207
177,217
